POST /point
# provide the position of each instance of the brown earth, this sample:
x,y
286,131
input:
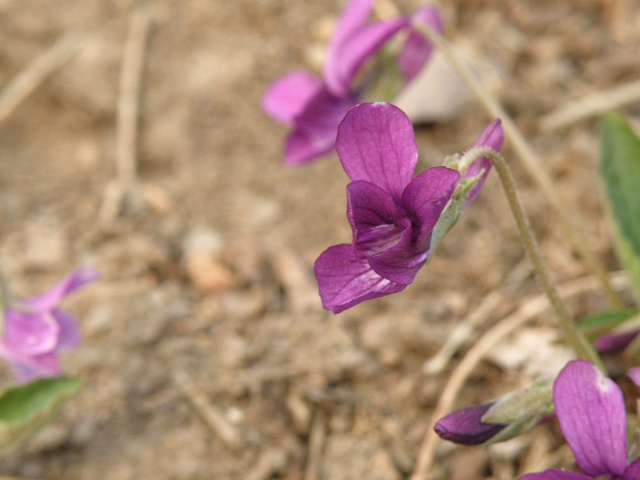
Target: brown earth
x,y
206,352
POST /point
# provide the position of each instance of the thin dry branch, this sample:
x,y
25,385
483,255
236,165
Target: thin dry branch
x,y
590,105
43,66
127,117
487,342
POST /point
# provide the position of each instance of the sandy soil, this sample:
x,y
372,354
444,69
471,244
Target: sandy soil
x,y
206,351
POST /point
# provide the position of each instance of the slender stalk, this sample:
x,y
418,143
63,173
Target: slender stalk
x,y
574,338
569,222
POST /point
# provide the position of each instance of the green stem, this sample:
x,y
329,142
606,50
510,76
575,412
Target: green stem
x,y
569,222
574,338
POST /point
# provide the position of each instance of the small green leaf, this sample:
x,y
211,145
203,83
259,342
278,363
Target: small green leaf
x,y
598,324
27,408
621,172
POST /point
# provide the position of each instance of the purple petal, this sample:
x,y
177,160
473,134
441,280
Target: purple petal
x,y
30,333
491,137
69,336
554,474
465,426
27,368
376,144
425,198
375,218
345,280
287,97
615,342
633,471
417,49
400,263
591,412
50,299
355,51
634,375
316,127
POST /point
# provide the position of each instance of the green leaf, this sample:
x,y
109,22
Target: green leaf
x,y
620,148
27,408
598,324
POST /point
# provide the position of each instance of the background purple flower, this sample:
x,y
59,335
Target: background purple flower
x,y
313,108
36,330
392,214
591,412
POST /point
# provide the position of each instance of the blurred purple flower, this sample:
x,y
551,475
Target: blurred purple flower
x,y
392,214
466,427
591,412
615,342
312,107
36,330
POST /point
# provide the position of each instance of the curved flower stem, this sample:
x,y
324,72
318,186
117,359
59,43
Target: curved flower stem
x,y
571,225
574,338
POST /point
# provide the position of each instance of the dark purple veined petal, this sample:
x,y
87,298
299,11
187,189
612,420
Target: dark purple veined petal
x,y
402,262
50,299
376,220
425,198
316,127
345,280
30,333
554,474
591,412
288,96
491,137
465,426
417,49
376,144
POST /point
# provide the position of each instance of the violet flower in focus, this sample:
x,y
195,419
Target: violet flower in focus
x,y
36,330
314,107
591,412
393,215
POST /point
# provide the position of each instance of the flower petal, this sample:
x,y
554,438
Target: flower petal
x,y
491,137
615,342
375,218
30,333
353,42
356,50
554,474
425,198
50,299
69,336
27,368
417,49
376,144
345,280
465,426
400,263
634,375
591,412
316,127
633,471
287,97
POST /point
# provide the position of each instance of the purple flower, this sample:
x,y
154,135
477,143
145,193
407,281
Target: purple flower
x,y
393,215
591,412
36,331
312,107
466,426
615,342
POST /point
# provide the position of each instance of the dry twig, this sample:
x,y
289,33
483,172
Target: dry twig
x,y
590,105
39,70
128,111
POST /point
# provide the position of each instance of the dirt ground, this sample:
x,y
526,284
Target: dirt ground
x,y
206,352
